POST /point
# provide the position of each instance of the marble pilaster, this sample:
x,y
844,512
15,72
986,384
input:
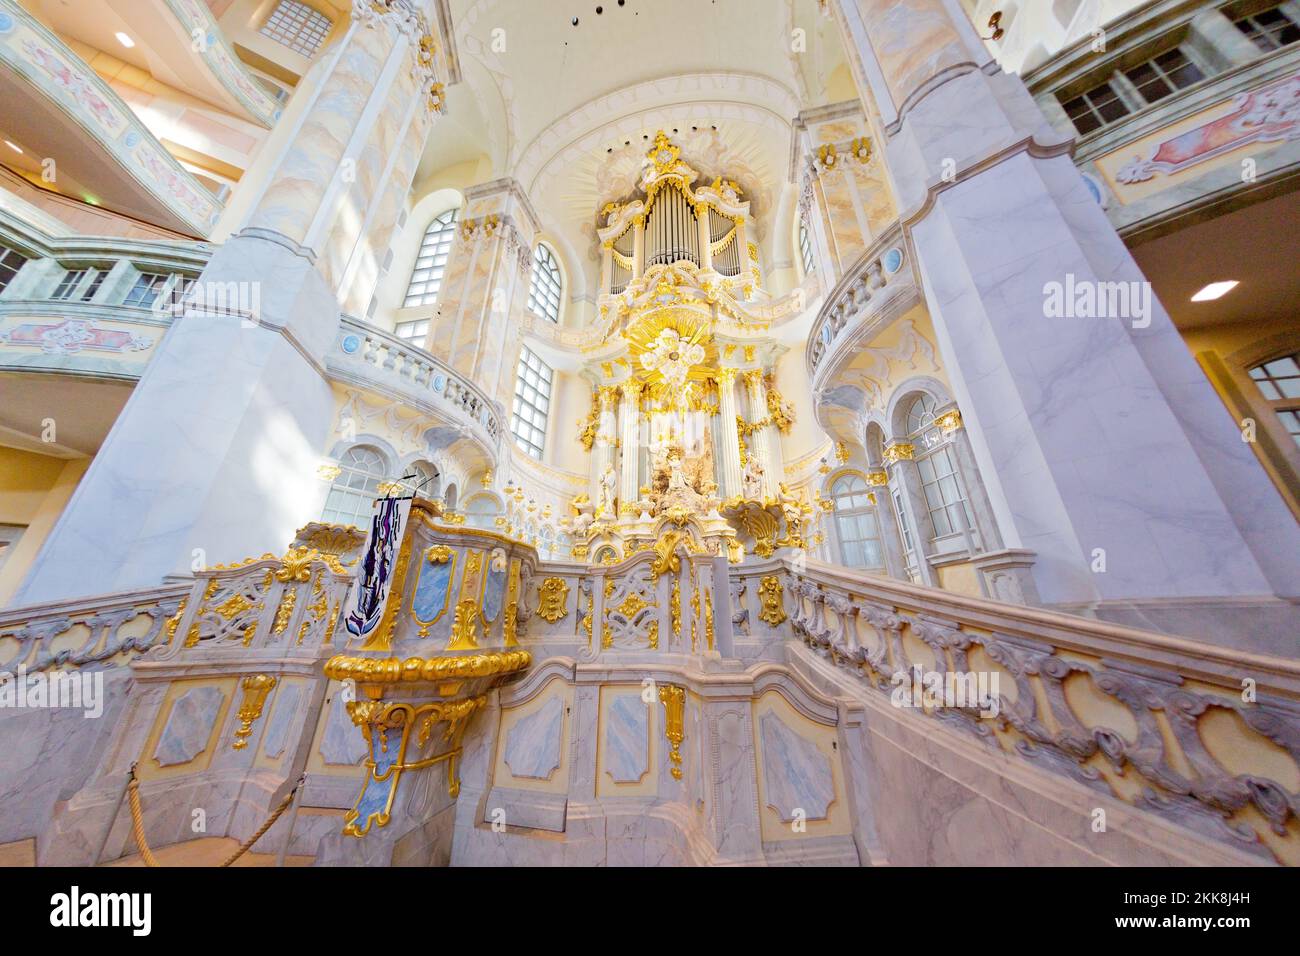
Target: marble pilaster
x,y
631,405
731,474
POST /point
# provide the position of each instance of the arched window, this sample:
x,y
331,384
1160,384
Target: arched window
x,y
855,524
544,292
1279,382
532,403
352,495
936,462
425,481
806,249
431,263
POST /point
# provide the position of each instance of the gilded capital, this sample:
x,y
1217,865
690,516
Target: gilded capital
x,y
899,451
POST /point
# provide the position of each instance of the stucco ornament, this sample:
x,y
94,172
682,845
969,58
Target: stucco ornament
x,y
672,357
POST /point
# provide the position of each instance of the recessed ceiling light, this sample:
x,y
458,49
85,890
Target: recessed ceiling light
x,y
125,40
1215,290
14,146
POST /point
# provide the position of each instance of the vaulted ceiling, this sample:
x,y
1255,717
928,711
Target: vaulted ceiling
x,y
570,110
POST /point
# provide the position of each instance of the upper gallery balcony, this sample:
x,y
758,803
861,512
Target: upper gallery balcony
x,y
873,293
120,144
380,362
1179,115
95,307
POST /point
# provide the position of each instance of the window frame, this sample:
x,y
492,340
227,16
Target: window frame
x,y
546,284
342,483
1260,31
807,254
933,446
434,243
1126,91
845,490
531,374
299,25
1282,405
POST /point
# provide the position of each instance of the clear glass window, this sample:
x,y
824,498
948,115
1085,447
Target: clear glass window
x,y
547,284
431,263
352,495
532,403
297,26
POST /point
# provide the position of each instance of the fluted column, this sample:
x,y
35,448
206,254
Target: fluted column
x,y
732,484
627,486
606,435
760,439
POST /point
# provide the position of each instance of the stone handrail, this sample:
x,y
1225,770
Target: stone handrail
x,y
1205,736
89,630
373,358
220,60
883,275
71,86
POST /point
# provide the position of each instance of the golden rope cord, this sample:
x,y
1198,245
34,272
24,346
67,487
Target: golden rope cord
x,y
137,823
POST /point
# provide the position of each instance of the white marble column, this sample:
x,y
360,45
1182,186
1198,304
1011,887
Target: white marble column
x,y
1094,436
215,456
606,436
760,443
732,484
627,487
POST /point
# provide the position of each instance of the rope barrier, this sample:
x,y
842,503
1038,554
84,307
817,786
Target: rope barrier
x,y
137,822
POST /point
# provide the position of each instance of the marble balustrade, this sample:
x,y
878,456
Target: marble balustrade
x,y
374,359
107,629
1203,736
869,293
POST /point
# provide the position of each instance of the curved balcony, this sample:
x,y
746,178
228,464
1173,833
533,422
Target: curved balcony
x,y
87,306
380,362
57,106
172,26
876,290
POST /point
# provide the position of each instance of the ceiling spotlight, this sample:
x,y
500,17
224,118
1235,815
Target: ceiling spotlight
x,y
125,40
574,21
14,146
1215,290
995,24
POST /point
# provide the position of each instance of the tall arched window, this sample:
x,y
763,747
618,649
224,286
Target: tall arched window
x,y
855,524
941,484
806,249
352,495
544,291
431,263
